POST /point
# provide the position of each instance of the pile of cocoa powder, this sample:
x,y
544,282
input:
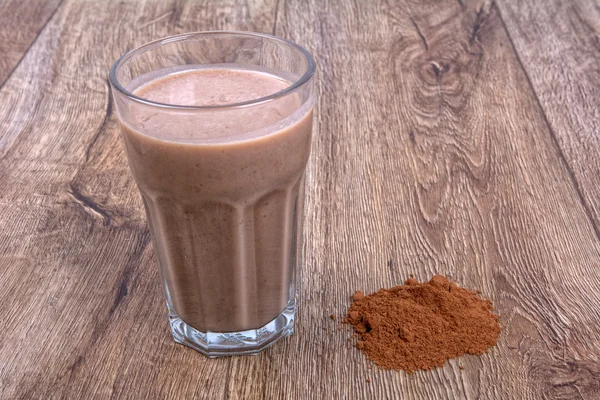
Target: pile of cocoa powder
x,y
421,325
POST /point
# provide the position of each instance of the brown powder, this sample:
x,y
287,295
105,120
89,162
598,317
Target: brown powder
x,y
421,325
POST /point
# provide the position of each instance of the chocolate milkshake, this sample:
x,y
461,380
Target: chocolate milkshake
x,y
217,128
222,191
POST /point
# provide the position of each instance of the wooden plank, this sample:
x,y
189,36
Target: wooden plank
x,y
20,23
431,156
83,312
558,43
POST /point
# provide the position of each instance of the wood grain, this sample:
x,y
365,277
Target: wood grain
x,y
559,46
83,312
20,22
432,156
450,171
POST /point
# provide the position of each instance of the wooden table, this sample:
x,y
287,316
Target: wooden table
x,y
452,137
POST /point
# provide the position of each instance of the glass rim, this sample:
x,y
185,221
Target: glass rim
x,y
305,78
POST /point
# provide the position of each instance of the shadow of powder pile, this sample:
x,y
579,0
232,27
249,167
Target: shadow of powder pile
x,y
421,325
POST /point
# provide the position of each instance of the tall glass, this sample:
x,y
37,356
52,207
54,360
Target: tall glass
x,y
222,185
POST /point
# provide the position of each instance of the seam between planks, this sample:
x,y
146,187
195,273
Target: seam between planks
x,y
276,16
31,44
572,176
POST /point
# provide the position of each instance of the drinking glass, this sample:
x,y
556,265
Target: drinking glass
x,y
222,185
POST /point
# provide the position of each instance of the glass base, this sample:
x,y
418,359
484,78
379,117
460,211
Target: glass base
x,y
250,342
